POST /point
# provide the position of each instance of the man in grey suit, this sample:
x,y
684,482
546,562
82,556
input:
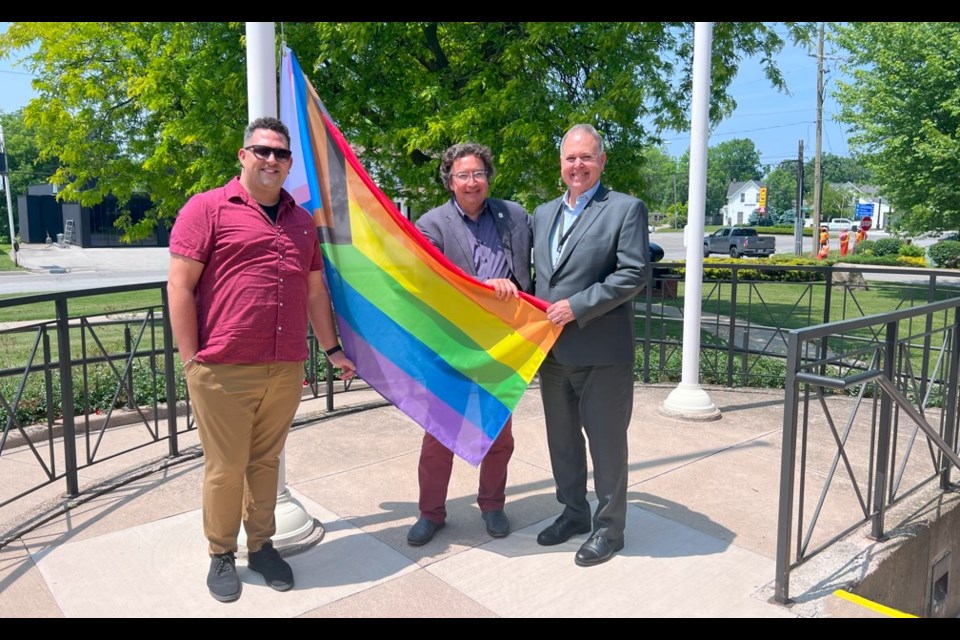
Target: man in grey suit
x,y
490,240
591,254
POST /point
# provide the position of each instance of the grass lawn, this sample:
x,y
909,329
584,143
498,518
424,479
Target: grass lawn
x,y
6,260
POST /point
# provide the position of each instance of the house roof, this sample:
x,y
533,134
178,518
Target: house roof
x,y
737,187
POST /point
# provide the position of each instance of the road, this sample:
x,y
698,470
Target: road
x,y
672,243
70,268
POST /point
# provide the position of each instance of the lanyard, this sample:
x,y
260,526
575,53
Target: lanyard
x,y
564,236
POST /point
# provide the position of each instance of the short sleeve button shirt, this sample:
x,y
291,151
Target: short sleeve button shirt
x,y
252,294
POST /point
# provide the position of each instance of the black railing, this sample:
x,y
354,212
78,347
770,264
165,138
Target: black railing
x,y
67,381
744,327
870,417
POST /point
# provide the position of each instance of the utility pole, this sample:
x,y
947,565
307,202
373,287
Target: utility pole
x,y
817,167
798,223
5,173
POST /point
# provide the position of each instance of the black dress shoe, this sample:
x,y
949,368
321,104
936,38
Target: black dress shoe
x,y
422,531
498,525
562,530
596,549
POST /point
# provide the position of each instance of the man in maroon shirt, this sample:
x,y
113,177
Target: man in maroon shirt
x,y
246,273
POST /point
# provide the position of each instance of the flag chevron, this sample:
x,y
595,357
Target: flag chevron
x,y
433,341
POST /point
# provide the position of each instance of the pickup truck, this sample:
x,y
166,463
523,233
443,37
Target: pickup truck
x,y
738,241
840,224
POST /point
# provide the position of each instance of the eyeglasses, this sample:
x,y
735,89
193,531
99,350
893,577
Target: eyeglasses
x,y
263,152
479,176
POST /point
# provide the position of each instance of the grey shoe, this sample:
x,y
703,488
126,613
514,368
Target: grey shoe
x,y
422,532
222,579
498,525
274,569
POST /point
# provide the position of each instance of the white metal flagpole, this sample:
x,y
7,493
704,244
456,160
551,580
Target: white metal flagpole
x,y
689,400
295,527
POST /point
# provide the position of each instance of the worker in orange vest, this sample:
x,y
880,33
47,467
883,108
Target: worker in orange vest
x,y
844,241
824,243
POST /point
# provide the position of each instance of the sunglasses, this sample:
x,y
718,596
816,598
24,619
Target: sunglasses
x,y
263,152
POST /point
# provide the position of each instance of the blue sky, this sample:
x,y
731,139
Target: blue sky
x,y
776,122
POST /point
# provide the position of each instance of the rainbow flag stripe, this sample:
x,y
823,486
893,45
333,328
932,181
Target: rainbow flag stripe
x,y
430,339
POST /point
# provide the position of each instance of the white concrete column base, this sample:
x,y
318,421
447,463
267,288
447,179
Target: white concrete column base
x,y
296,529
690,402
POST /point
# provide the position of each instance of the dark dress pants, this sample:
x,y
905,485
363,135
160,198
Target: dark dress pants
x,y
597,400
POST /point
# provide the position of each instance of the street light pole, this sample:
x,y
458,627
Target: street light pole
x,y
5,173
676,167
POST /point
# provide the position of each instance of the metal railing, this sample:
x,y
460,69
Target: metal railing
x,y
744,328
67,381
870,417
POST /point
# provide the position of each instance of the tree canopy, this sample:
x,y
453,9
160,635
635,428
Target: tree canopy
x,y
23,167
159,108
903,107
731,161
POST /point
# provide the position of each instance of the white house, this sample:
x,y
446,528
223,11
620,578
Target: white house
x,y
743,198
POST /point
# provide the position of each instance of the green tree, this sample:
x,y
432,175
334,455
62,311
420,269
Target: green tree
x,y
903,107
836,202
24,165
658,176
135,108
782,187
841,169
155,107
731,161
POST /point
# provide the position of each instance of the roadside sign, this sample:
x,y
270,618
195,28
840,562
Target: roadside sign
x,y
864,209
762,200
866,223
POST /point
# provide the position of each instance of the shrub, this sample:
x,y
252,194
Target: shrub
x,y
912,261
887,246
945,254
865,248
913,251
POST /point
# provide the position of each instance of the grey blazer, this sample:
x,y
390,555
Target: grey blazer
x,y
603,266
443,227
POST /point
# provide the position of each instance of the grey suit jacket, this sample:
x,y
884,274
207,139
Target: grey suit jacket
x,y
444,228
603,266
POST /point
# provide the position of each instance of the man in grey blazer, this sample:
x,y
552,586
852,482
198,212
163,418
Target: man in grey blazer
x,y
591,255
490,240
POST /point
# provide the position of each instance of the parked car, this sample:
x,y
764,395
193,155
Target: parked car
x,y
738,241
841,224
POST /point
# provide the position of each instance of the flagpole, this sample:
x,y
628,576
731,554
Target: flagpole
x,y
689,400
295,527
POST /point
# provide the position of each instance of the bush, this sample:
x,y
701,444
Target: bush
x,y
913,251
864,248
887,246
945,254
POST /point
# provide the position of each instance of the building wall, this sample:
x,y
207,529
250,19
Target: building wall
x,y
738,212
41,214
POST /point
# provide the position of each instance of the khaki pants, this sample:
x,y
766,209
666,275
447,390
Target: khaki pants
x,y
243,415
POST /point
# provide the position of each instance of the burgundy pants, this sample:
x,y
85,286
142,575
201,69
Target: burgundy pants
x,y
436,465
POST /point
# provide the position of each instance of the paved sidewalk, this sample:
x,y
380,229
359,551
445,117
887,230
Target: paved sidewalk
x,y
700,540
